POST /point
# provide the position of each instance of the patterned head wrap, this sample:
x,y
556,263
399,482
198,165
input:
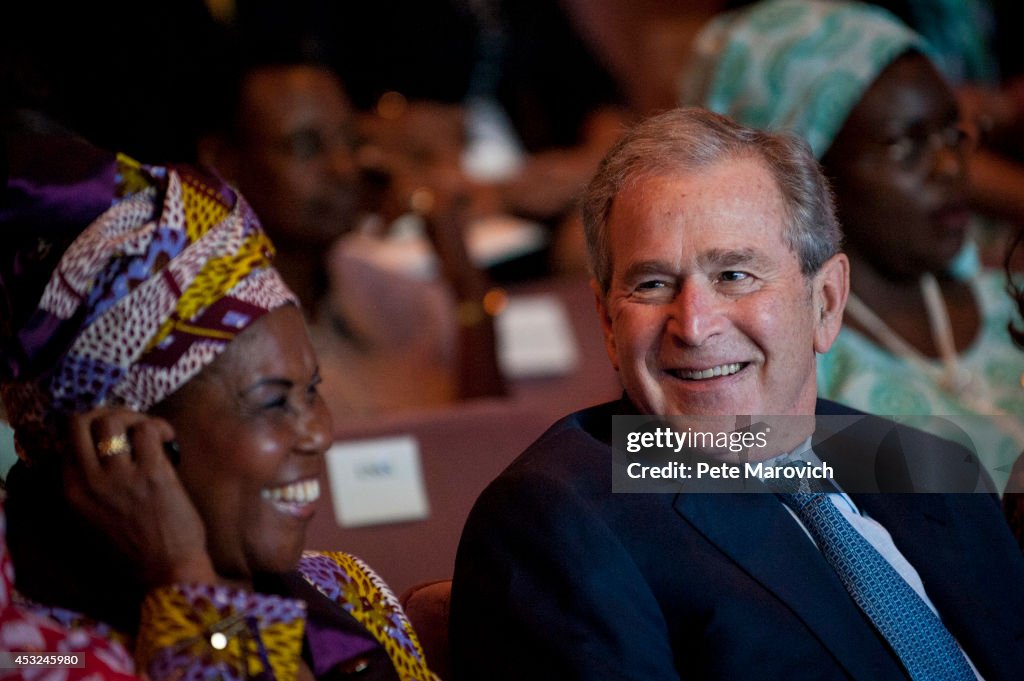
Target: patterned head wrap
x,y
960,33
124,281
800,65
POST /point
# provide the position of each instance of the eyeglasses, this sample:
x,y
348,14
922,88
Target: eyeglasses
x,y
915,147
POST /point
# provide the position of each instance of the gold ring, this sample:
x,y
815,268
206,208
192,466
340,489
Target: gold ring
x,y
114,445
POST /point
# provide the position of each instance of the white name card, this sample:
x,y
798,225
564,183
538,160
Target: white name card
x,y
535,337
377,481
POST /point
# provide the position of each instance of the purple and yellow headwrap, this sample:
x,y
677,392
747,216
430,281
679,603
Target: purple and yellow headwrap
x,y
156,270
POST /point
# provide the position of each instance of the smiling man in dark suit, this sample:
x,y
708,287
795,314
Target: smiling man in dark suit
x,y
718,277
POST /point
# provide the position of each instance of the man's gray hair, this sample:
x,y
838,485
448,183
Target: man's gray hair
x,y
691,139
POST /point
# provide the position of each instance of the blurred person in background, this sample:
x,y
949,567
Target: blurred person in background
x,y
1013,500
539,107
387,341
973,43
925,328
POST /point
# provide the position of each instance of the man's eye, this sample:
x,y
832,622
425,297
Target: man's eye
x,y
276,403
731,276
655,290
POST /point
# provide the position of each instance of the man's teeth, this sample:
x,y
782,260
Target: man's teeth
x,y
302,492
700,374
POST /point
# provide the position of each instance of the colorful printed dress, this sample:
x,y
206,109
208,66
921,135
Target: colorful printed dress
x,y
215,632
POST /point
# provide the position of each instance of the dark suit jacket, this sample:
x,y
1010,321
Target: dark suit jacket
x,y
558,578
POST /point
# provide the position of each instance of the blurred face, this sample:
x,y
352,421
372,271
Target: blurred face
x,y
296,162
421,145
707,312
898,167
253,430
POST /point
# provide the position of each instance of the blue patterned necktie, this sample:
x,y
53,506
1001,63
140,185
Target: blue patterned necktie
x,y
924,645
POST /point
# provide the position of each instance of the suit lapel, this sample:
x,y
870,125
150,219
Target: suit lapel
x,y
742,526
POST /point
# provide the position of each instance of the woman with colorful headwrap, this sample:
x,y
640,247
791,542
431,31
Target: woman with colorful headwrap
x,y
163,393
858,86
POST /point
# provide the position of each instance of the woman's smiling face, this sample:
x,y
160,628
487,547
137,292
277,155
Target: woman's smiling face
x,y
253,429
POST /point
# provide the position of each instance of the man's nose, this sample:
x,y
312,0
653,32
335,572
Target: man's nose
x,y
696,314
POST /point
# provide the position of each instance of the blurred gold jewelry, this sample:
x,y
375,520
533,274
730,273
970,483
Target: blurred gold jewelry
x,y
114,445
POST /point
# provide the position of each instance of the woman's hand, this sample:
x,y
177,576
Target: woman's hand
x,y
118,476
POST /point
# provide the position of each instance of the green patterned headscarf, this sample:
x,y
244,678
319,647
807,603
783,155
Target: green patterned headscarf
x,y
960,34
799,65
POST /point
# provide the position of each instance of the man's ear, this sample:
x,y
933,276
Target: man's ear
x,y
606,323
831,289
216,152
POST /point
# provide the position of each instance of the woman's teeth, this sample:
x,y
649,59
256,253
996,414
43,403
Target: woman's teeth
x,y
302,492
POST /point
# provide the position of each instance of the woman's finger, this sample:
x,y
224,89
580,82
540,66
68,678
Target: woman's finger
x,y
148,437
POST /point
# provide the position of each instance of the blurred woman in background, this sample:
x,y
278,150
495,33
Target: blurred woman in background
x,y
925,329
